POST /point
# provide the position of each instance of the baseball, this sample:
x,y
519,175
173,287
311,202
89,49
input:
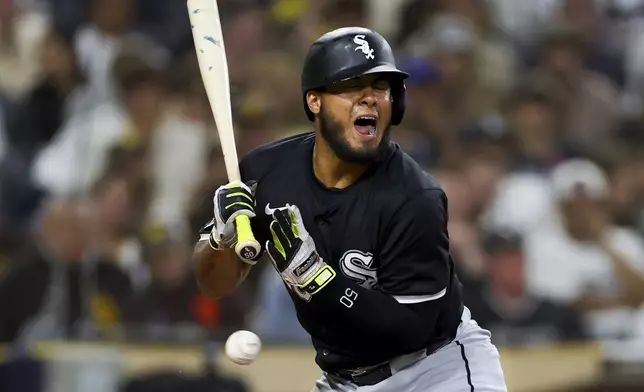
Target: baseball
x,y
242,347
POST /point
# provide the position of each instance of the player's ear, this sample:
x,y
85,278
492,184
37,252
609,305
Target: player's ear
x,y
313,100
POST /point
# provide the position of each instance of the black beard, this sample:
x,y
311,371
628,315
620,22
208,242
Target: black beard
x,y
332,132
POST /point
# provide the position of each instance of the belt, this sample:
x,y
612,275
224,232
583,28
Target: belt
x,y
375,374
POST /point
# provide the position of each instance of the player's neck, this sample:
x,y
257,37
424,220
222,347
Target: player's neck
x,y
331,171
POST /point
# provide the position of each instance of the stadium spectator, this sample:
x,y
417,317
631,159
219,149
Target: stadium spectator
x,y
65,291
108,32
507,308
588,99
579,257
77,157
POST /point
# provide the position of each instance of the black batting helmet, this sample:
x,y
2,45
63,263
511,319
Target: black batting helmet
x,y
351,52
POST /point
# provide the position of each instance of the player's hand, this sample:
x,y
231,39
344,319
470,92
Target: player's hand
x,y
230,201
293,252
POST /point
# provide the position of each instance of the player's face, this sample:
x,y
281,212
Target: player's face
x,y
355,117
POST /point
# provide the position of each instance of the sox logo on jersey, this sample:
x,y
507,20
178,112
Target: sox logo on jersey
x,y
358,266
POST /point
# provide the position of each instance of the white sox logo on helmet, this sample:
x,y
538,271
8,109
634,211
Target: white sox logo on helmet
x,y
363,46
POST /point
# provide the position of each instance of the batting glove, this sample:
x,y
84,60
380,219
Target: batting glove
x,y
293,253
230,201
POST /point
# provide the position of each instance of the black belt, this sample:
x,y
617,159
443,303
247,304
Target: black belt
x,y
374,374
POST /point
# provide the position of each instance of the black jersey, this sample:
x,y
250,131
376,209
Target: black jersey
x,y
385,232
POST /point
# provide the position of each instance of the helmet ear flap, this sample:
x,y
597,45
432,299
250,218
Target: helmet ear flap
x,y
399,96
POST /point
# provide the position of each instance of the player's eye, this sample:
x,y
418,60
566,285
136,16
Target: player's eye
x,y
357,85
352,86
381,85
345,87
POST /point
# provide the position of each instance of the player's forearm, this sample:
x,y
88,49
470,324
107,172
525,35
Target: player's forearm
x,y
374,315
218,272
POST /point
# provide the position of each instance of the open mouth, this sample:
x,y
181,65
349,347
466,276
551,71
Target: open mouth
x,y
366,125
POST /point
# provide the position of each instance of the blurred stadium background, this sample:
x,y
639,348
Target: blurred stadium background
x,y
529,112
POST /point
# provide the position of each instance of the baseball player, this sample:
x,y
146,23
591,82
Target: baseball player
x,y
357,231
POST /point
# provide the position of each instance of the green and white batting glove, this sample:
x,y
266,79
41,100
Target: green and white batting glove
x,y
230,201
293,253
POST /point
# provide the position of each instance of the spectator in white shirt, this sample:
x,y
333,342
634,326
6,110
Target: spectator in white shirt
x,y
77,157
108,32
581,258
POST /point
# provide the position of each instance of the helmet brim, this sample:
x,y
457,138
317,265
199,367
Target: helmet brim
x,y
383,69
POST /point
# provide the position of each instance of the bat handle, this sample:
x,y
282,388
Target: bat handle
x,y
247,247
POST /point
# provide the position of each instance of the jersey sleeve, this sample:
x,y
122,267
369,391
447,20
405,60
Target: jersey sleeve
x,y
414,258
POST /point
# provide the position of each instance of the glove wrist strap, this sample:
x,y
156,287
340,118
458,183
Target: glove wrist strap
x,y
319,280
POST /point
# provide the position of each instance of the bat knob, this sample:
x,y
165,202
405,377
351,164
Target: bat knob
x,y
247,247
247,250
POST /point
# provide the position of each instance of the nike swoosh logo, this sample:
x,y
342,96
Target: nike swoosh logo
x,y
268,210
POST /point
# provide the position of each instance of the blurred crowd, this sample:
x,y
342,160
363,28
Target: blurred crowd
x,y
529,113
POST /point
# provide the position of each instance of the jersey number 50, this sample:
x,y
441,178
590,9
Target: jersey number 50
x,y
348,298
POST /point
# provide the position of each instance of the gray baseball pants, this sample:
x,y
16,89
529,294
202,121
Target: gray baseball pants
x,y
470,363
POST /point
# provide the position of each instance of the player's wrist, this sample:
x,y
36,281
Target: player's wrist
x,y
219,241
212,241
